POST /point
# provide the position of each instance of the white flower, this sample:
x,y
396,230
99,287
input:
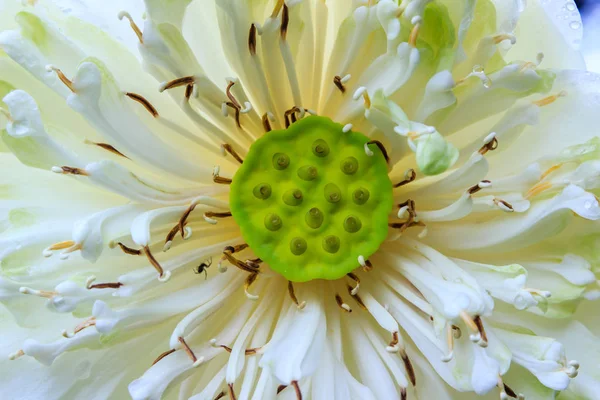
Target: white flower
x,y
139,258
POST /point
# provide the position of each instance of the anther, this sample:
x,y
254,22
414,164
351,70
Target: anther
x,y
69,171
129,250
107,147
163,355
68,83
249,281
410,371
144,102
210,216
481,185
365,264
285,21
252,40
414,33
362,92
484,340
292,294
337,80
356,280
381,147
393,346
219,179
188,350
190,90
186,80
537,189
231,392
228,255
504,36
47,252
290,115
550,99
266,123
163,275
503,205
220,395
16,354
40,293
490,143
109,285
356,297
341,304
409,176
136,29
83,325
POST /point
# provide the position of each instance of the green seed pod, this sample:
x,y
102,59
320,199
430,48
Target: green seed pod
x,y
273,222
293,197
360,196
320,148
262,191
308,173
352,224
349,165
333,194
298,246
314,218
281,161
331,244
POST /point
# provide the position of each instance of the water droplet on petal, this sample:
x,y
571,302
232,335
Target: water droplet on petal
x,y
571,7
575,25
588,204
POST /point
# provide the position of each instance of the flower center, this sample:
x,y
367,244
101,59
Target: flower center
x,y
313,198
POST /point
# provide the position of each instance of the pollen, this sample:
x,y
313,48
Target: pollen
x,y
309,201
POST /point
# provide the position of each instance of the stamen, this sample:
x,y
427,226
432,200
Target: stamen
x,y
136,29
220,396
190,353
477,336
163,275
16,354
503,205
107,147
297,390
337,80
550,99
356,279
142,100
347,128
362,91
450,343
186,80
68,83
218,179
129,250
231,392
409,176
231,97
481,329
356,298
290,115
85,324
381,147
341,303
281,388
252,40
109,285
541,293
410,371
478,72
481,185
249,281
163,355
278,6
537,189
189,91
266,123
248,352
365,264
236,110
69,171
414,33
227,255
210,215
170,237
227,147
47,252
393,345
285,21
41,293
490,143
550,170
504,36
293,296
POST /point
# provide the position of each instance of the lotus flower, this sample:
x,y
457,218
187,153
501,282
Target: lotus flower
x,y
298,199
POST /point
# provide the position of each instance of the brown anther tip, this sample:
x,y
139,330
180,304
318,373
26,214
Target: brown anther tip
x,y
480,328
108,147
252,40
290,115
187,349
266,123
411,177
74,171
109,285
337,80
491,146
281,388
230,249
129,250
340,303
403,395
144,102
220,395
189,90
356,297
368,266
231,392
154,262
285,21
509,391
382,148
227,147
186,80
163,355
409,367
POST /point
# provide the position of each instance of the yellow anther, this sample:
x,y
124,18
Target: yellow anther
x,y
550,170
550,99
62,245
537,189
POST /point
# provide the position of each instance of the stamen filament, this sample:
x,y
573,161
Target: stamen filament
x,y
292,294
136,29
227,147
163,355
68,83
